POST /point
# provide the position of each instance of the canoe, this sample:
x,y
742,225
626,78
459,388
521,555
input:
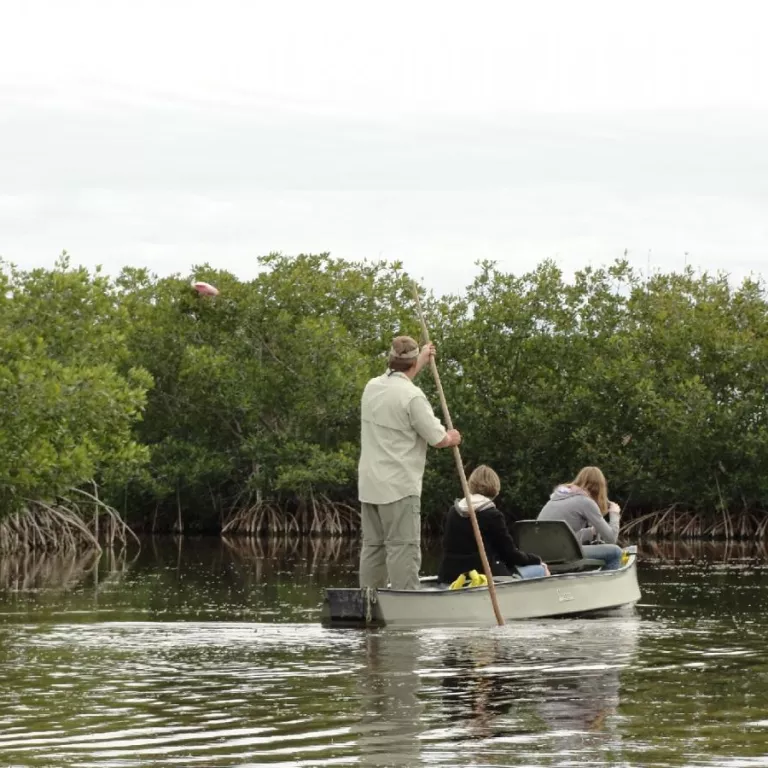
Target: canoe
x,y
581,593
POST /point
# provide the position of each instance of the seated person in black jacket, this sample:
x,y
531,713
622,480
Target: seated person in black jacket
x,y
460,552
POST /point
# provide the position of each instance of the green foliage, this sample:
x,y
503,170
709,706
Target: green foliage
x,y
658,383
68,410
257,390
188,407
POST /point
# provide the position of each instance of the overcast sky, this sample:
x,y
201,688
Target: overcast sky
x,y
166,134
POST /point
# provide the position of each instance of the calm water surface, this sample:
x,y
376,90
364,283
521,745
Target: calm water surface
x,y
200,653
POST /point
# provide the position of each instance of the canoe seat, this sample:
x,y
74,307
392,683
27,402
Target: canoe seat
x,y
555,543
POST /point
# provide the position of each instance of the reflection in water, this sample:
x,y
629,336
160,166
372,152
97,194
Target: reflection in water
x,y
703,551
580,702
201,652
552,684
538,690
33,571
38,570
261,559
317,550
391,710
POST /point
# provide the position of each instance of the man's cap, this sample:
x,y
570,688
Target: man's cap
x,y
403,348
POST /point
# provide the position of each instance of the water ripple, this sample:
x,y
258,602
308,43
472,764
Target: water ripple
x,y
679,682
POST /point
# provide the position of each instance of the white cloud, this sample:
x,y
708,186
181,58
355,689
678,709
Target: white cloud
x,y
447,57
168,133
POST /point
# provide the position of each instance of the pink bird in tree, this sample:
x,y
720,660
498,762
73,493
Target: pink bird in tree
x,y
205,289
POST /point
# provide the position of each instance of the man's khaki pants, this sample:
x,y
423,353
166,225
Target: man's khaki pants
x,y
391,544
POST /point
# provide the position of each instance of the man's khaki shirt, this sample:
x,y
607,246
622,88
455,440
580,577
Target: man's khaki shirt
x,y
397,423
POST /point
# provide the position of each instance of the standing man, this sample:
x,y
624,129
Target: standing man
x,y
397,423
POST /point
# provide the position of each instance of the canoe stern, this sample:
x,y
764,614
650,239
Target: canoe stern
x,y
351,608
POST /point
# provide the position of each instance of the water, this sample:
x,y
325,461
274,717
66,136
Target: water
x,y
201,654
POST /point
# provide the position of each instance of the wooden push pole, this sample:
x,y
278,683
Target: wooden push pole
x,y
460,469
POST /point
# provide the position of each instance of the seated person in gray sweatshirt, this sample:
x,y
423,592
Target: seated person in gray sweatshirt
x,y
583,503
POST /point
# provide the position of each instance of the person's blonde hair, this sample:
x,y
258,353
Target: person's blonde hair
x,y
403,354
592,480
484,481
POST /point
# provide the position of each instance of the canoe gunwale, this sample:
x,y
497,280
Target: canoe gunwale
x,y
506,584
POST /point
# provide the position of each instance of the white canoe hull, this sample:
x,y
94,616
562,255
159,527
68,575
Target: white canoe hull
x,y
561,595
